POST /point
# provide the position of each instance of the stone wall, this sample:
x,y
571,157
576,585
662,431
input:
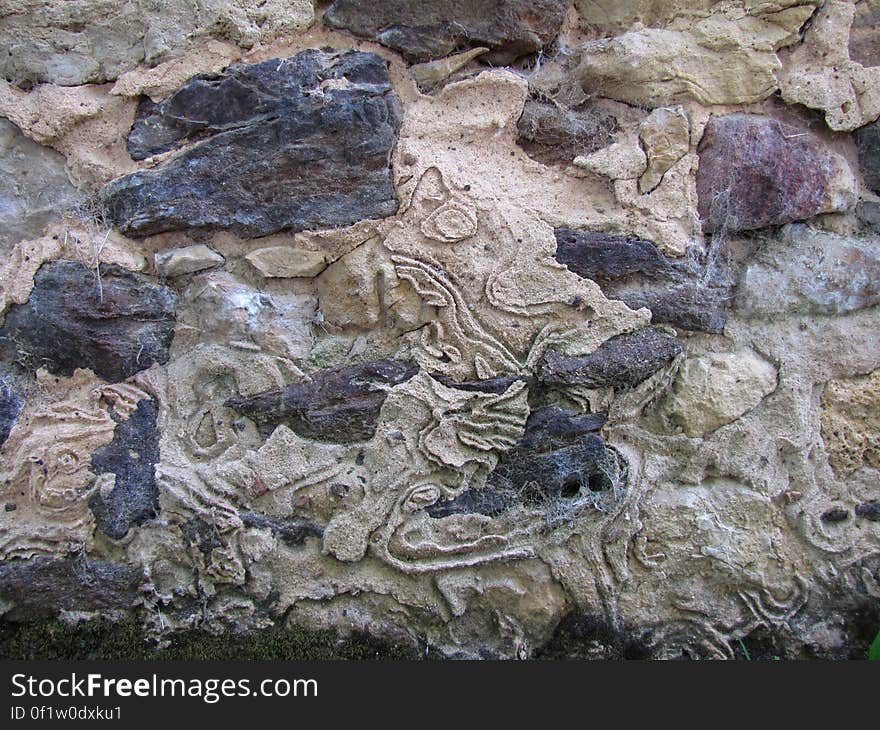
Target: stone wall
x,y
496,329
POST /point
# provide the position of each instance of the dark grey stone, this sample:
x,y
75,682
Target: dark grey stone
x,y
835,514
289,531
693,293
621,362
551,427
810,272
11,405
34,187
131,456
869,511
864,36
338,405
117,324
559,458
45,586
288,144
421,31
868,142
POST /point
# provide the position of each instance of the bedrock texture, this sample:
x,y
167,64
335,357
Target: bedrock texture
x,y
495,329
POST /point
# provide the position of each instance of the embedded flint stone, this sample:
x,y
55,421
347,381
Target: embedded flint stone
x,y
621,362
131,456
421,31
289,144
756,171
686,292
338,405
109,320
45,586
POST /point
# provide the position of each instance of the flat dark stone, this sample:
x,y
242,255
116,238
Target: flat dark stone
x,y
559,457
835,514
495,385
11,405
869,511
551,427
621,362
864,37
131,456
487,501
421,31
688,293
45,586
565,472
551,133
289,531
756,171
288,144
338,405
868,142
117,324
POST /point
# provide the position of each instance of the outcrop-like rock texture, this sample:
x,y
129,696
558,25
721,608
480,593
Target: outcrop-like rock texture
x,y
325,125
420,32
850,422
808,272
505,329
131,457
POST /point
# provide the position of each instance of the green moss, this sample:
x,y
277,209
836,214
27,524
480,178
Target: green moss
x,y
102,639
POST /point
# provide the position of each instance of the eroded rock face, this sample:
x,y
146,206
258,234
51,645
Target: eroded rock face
x,y
414,366
10,407
757,171
34,187
44,586
864,38
510,28
623,361
109,320
325,124
550,133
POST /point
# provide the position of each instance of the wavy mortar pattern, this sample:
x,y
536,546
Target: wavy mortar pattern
x,y
505,329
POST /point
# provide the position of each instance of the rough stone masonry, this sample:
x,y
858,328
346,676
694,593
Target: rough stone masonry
x,y
499,329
